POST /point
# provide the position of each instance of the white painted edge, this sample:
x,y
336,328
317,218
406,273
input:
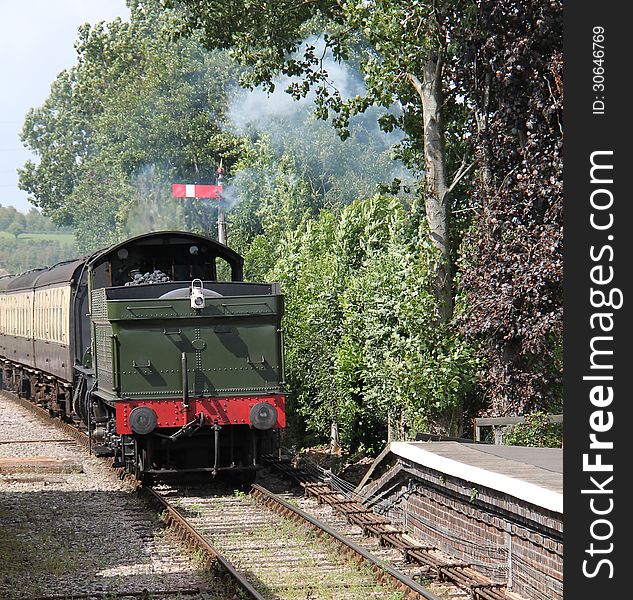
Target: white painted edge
x,y
523,490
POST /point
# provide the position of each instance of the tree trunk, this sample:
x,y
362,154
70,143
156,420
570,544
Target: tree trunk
x,y
483,148
435,186
436,193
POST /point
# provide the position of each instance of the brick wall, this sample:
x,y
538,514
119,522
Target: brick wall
x,y
502,537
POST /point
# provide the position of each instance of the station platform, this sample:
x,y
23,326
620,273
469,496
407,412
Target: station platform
x,y
533,475
497,507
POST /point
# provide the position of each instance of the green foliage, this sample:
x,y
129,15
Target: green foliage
x,y
309,273
18,226
31,240
270,198
388,40
536,432
24,253
135,105
32,222
365,345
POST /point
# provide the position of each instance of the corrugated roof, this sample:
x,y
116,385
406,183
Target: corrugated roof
x,y
63,272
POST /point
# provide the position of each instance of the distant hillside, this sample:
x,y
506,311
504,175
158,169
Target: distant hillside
x,y
31,240
34,250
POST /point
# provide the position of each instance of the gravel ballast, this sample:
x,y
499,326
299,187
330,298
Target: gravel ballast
x,y
81,531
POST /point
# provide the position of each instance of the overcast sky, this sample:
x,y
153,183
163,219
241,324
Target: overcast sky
x,y
37,42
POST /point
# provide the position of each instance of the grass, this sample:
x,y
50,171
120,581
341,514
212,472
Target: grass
x,y
325,583
40,554
195,509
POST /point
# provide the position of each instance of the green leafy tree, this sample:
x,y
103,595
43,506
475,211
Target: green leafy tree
x,y
36,222
536,432
365,347
311,278
402,48
135,104
269,198
18,225
17,256
8,214
398,361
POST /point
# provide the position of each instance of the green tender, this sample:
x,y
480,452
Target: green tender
x,y
231,347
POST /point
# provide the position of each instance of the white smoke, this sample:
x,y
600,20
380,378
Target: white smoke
x,y
359,164
253,110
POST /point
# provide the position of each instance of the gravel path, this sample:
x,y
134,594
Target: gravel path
x,y
73,527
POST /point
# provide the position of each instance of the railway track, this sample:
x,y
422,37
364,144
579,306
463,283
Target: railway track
x,y
69,528
420,561
236,538
133,516
284,551
237,541
181,594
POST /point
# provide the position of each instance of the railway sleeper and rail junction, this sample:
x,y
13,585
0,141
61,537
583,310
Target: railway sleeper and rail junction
x,y
428,557
387,577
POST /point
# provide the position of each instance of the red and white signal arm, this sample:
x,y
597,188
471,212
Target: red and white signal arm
x,y
188,190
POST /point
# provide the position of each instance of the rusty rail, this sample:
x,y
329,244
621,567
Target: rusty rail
x,y
184,530
173,519
381,570
461,575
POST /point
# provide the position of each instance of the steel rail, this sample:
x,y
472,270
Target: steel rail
x,y
410,587
468,579
172,517
189,534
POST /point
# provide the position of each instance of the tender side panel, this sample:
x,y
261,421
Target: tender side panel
x,y
231,347
103,342
103,357
220,359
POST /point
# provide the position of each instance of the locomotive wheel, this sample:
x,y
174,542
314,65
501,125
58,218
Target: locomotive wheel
x,y
141,463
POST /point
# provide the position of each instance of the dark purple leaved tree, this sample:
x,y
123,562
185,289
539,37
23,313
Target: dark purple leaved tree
x,y
513,266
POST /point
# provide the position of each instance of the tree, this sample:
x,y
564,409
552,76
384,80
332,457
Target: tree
x,y
535,432
135,104
512,267
364,348
8,214
37,222
17,256
402,47
18,225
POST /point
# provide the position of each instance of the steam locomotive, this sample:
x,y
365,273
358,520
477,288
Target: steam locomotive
x,y
158,348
